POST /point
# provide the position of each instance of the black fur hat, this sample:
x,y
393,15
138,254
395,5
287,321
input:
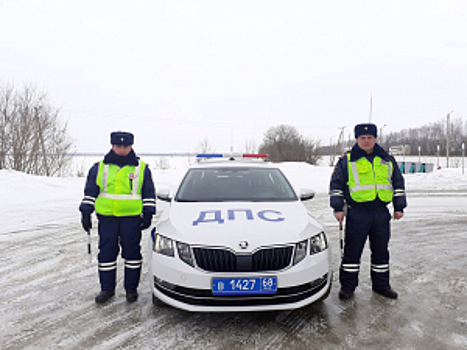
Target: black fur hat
x,y
121,138
366,129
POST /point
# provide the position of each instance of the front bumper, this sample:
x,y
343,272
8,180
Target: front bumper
x,y
187,288
204,300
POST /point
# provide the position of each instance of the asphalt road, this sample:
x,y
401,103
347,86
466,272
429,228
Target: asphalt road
x,y
47,289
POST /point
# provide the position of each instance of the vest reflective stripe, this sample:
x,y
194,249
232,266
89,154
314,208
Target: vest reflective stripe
x,y
104,177
120,196
354,171
135,179
120,189
370,180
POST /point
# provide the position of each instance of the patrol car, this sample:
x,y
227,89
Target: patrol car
x,y
237,237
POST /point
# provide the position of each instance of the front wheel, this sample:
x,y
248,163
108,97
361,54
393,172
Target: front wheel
x,y
156,301
324,297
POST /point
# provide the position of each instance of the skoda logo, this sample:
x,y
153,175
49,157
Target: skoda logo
x,y
243,244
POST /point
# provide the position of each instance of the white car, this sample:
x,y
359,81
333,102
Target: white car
x,y
236,237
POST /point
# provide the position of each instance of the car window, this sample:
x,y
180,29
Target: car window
x,y
234,184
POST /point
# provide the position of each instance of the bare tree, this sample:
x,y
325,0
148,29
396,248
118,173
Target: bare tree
x,y
429,137
204,146
33,139
7,107
284,143
311,151
250,146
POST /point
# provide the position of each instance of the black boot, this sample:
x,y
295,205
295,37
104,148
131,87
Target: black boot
x,y
388,293
104,296
131,295
345,294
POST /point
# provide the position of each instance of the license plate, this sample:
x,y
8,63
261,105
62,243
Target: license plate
x,y
247,285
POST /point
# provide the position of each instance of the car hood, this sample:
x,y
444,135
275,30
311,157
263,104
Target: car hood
x,y
229,223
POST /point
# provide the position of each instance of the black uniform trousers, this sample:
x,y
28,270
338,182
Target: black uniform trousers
x,y
360,224
116,232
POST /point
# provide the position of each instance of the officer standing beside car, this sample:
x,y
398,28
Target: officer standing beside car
x,y
121,191
364,182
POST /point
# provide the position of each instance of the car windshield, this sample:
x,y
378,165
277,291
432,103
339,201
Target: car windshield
x,y
235,184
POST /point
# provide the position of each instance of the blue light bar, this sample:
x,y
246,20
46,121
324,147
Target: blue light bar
x,y
207,155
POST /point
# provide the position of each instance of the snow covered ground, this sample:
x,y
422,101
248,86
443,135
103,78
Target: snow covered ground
x,y
48,284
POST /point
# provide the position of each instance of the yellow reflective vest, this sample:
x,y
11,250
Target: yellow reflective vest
x,y
120,189
367,180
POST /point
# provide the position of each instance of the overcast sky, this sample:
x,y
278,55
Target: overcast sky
x,y
178,72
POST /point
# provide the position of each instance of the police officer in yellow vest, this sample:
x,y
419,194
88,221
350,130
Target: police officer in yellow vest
x,y
121,191
364,181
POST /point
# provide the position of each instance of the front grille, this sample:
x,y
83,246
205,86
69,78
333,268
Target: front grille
x,y
221,260
272,259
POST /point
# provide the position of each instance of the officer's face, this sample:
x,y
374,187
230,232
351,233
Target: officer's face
x,y
121,150
366,142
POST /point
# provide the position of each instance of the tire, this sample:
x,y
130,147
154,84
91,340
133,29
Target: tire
x,y
324,297
156,301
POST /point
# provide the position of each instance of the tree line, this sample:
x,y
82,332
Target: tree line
x,y
33,139
430,137
284,143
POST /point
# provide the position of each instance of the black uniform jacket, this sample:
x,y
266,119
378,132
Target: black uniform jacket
x,y
339,189
91,190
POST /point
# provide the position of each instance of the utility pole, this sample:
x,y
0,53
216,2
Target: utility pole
x,y
231,138
463,153
437,153
371,107
381,134
341,139
448,127
331,152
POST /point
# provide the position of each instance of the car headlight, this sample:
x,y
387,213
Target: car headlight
x,y
184,252
300,251
163,245
318,243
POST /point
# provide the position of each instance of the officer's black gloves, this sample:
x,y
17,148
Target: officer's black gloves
x,y
86,221
146,221
87,225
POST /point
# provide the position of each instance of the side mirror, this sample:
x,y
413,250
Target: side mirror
x,y
164,195
306,194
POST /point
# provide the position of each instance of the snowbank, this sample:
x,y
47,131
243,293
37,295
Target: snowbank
x,y
29,200
438,180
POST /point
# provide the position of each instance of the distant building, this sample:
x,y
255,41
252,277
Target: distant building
x,y
399,150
